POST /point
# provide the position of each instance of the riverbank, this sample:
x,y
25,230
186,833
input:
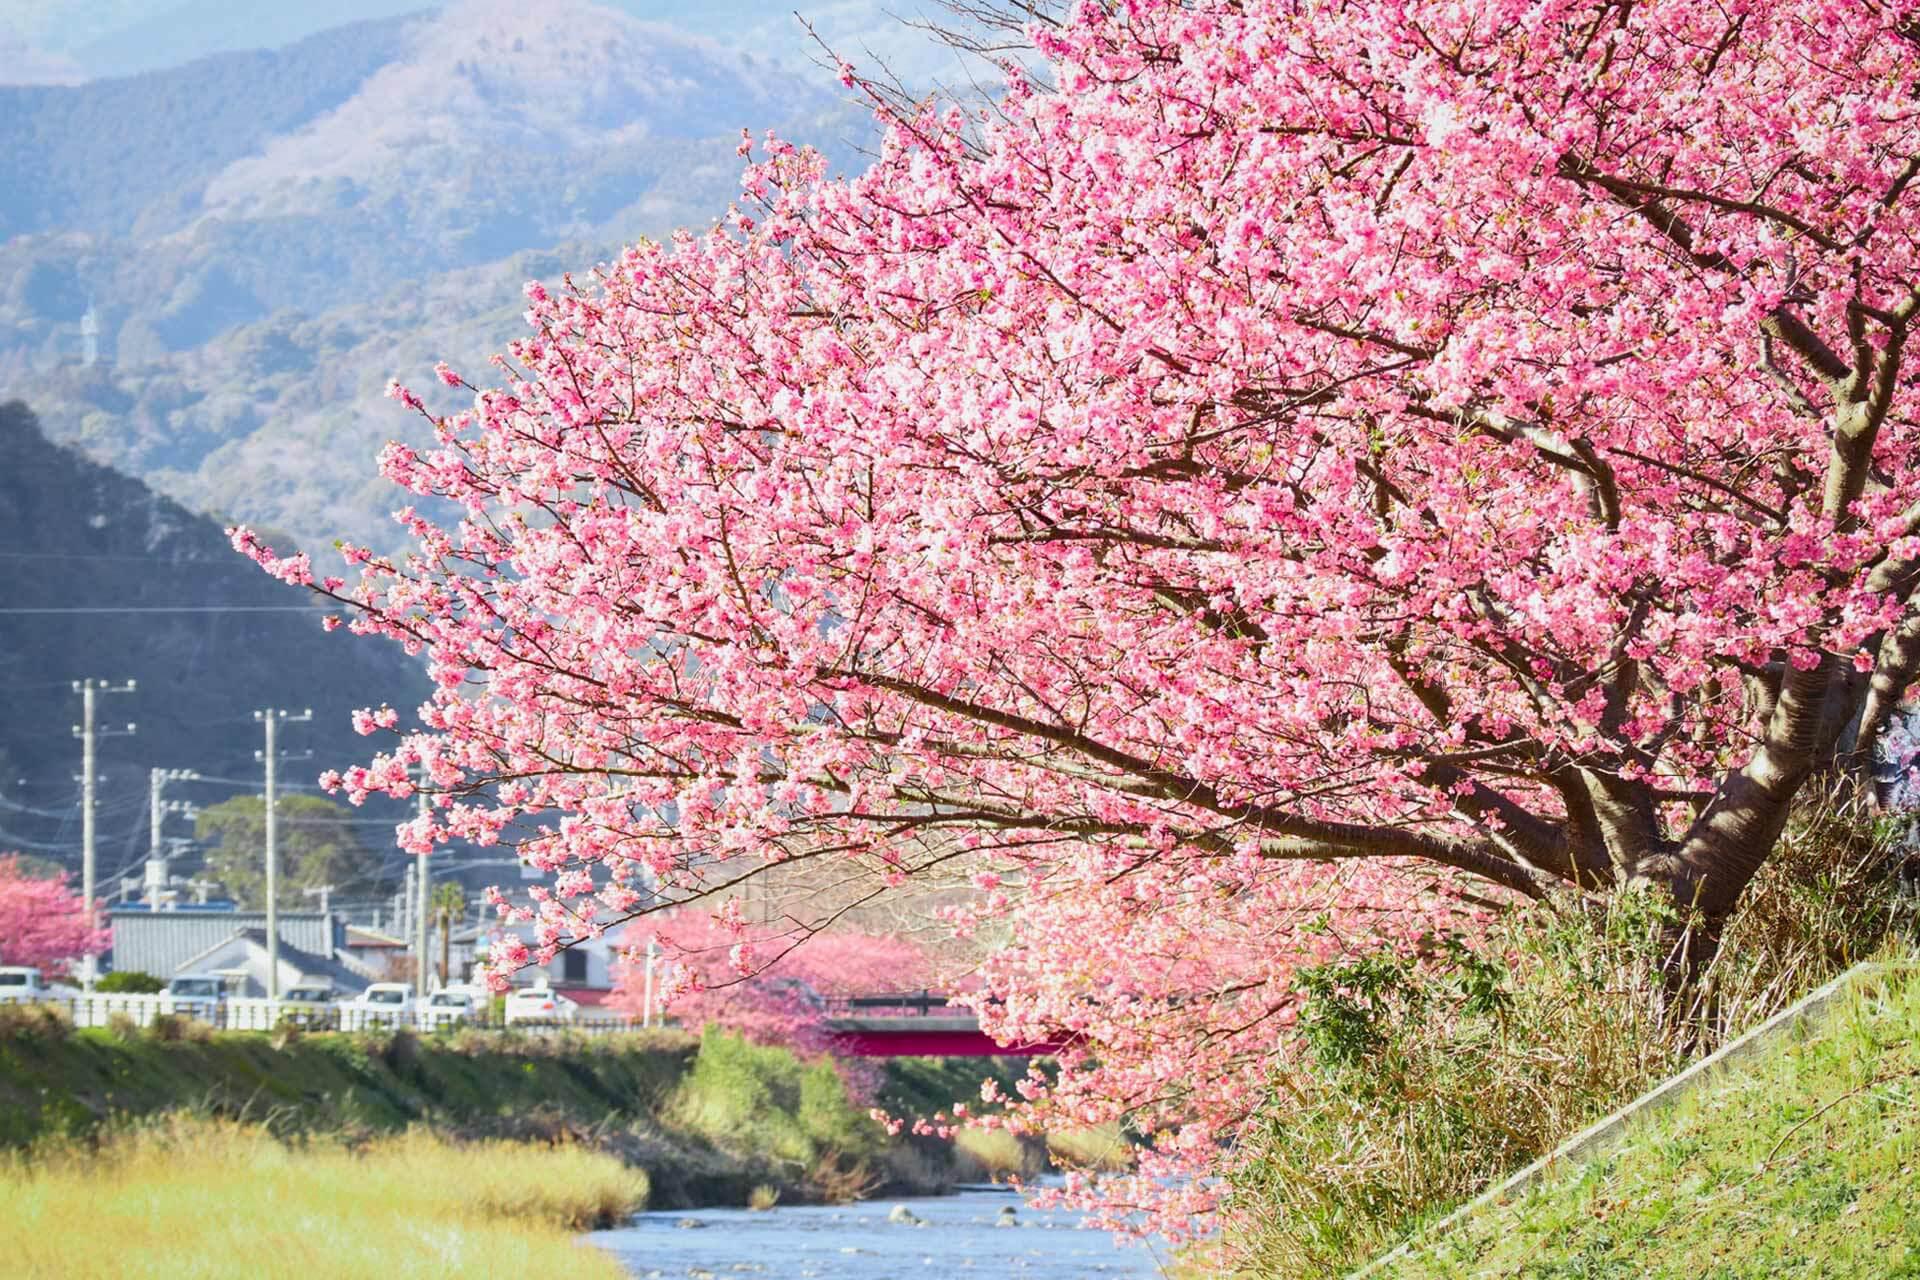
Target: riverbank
x,y
711,1120
219,1200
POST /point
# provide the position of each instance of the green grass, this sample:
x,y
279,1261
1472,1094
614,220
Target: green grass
x,y
1803,1161
57,1082
212,1199
710,1118
799,1113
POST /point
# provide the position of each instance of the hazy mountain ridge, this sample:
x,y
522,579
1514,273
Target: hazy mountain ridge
x,y
103,38
127,157
398,182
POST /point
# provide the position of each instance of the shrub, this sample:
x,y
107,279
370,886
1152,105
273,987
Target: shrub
x,y
1419,1077
129,982
765,1099
178,1027
33,1022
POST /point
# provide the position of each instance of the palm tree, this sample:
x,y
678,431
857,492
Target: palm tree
x,y
449,902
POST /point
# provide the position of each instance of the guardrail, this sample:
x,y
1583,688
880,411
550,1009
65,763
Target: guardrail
x,y
251,1013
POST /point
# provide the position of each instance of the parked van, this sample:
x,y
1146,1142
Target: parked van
x,y
20,984
198,995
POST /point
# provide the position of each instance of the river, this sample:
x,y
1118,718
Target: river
x,y
958,1235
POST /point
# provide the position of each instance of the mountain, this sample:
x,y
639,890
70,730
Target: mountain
x,y
102,157
103,38
75,535
208,273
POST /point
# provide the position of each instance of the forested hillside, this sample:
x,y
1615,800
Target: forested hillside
x,y
75,535
105,156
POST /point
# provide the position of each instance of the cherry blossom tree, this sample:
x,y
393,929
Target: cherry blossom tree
x,y
774,987
1283,473
43,923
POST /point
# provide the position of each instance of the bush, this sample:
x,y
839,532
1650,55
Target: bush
x,y
177,1027
1419,1078
33,1022
766,1100
129,982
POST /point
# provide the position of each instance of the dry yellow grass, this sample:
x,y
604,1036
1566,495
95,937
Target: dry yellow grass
x,y
1102,1148
995,1154
209,1200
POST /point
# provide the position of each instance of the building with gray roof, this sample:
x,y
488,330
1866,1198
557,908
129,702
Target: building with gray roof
x,y
165,943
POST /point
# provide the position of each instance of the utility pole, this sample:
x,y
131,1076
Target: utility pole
x,y
403,915
272,718
646,1009
424,883
89,779
158,807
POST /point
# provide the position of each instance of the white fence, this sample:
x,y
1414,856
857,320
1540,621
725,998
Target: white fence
x,y
247,1013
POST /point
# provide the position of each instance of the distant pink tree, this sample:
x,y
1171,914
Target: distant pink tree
x,y
715,970
42,921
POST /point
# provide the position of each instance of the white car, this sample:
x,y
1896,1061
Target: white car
x,y
452,1006
310,1004
198,995
384,1004
533,1006
20,984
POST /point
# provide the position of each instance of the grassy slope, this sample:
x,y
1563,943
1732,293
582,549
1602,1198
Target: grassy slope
x,y
1804,1161
708,1119
67,1083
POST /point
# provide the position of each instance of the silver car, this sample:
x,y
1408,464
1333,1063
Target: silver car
x,y
198,995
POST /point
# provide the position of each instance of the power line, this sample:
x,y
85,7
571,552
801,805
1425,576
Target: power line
x,y
166,608
102,555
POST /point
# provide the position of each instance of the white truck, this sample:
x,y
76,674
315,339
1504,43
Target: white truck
x,y
21,984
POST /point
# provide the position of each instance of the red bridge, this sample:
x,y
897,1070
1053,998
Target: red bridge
x,y
918,1024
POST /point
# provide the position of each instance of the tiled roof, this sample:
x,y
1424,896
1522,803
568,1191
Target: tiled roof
x,y
160,942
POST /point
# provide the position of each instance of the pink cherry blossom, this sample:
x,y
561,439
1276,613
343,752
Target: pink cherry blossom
x,y
1279,480
43,922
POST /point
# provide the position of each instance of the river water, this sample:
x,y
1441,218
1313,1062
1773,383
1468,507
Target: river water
x,y
956,1236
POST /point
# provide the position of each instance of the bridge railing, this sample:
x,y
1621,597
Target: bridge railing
x,y
899,1004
